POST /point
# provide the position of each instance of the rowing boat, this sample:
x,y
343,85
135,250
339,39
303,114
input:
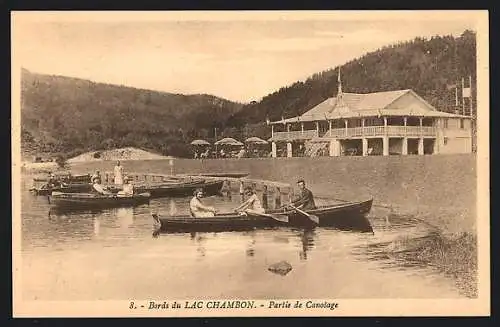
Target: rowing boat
x,y
91,200
173,189
68,188
345,216
177,189
231,175
66,177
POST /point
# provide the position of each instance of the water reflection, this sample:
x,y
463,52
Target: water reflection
x,y
307,239
125,217
97,226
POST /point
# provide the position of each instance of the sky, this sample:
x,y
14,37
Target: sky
x,y
239,56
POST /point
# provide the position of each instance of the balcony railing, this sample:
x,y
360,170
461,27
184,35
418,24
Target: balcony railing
x,y
295,135
400,131
368,131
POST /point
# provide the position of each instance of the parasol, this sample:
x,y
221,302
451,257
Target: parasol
x,y
228,141
200,142
255,140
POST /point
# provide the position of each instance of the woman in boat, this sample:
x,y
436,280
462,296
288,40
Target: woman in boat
x,y
96,175
118,173
128,188
252,204
197,208
98,187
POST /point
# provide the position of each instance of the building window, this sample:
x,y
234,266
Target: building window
x,y
445,123
445,140
462,123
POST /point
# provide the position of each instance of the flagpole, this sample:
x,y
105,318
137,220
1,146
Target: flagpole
x,y
463,99
470,95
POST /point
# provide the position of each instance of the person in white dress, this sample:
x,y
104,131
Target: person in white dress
x,y
197,208
118,173
128,188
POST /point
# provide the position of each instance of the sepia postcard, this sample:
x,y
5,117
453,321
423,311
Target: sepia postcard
x,y
250,163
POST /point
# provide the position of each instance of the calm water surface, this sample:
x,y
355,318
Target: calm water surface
x,y
112,255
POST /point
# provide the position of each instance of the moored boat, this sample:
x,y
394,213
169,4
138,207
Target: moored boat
x,y
67,177
91,200
68,188
178,189
232,175
345,216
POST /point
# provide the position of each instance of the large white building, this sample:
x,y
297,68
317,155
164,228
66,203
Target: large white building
x,y
381,123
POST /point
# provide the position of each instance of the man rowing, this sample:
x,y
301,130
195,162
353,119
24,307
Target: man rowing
x,y
197,208
305,199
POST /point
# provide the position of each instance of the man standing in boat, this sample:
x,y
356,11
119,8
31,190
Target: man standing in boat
x,y
197,208
305,200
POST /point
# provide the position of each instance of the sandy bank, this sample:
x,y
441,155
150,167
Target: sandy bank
x,y
128,153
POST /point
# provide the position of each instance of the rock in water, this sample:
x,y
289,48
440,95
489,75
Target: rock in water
x,y
282,268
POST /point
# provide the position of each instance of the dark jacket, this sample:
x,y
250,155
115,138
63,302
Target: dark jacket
x,y
305,201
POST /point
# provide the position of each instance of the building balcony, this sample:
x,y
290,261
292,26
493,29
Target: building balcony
x,y
374,131
295,135
358,132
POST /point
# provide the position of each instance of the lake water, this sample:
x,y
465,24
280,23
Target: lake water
x,y
114,255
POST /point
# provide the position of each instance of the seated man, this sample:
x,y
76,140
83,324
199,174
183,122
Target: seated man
x,y
197,208
305,200
128,188
97,174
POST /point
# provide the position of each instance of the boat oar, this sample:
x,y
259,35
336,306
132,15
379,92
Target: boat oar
x,y
313,218
280,218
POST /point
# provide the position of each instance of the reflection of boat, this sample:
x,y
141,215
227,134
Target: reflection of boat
x,y
68,188
90,200
350,215
178,189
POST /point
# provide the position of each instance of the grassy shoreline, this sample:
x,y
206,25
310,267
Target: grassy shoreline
x,y
454,255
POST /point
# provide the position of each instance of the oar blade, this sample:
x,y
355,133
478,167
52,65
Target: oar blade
x,y
281,218
314,218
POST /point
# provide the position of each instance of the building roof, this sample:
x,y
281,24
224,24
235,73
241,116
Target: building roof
x,y
352,105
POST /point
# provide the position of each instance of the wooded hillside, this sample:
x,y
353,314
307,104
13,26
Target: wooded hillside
x,y
69,115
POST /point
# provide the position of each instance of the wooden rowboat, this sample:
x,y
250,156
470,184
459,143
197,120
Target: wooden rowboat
x,y
69,188
232,175
83,178
178,189
90,200
345,216
174,189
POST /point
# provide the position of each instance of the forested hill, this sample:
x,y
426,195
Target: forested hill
x,y
429,67
70,116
